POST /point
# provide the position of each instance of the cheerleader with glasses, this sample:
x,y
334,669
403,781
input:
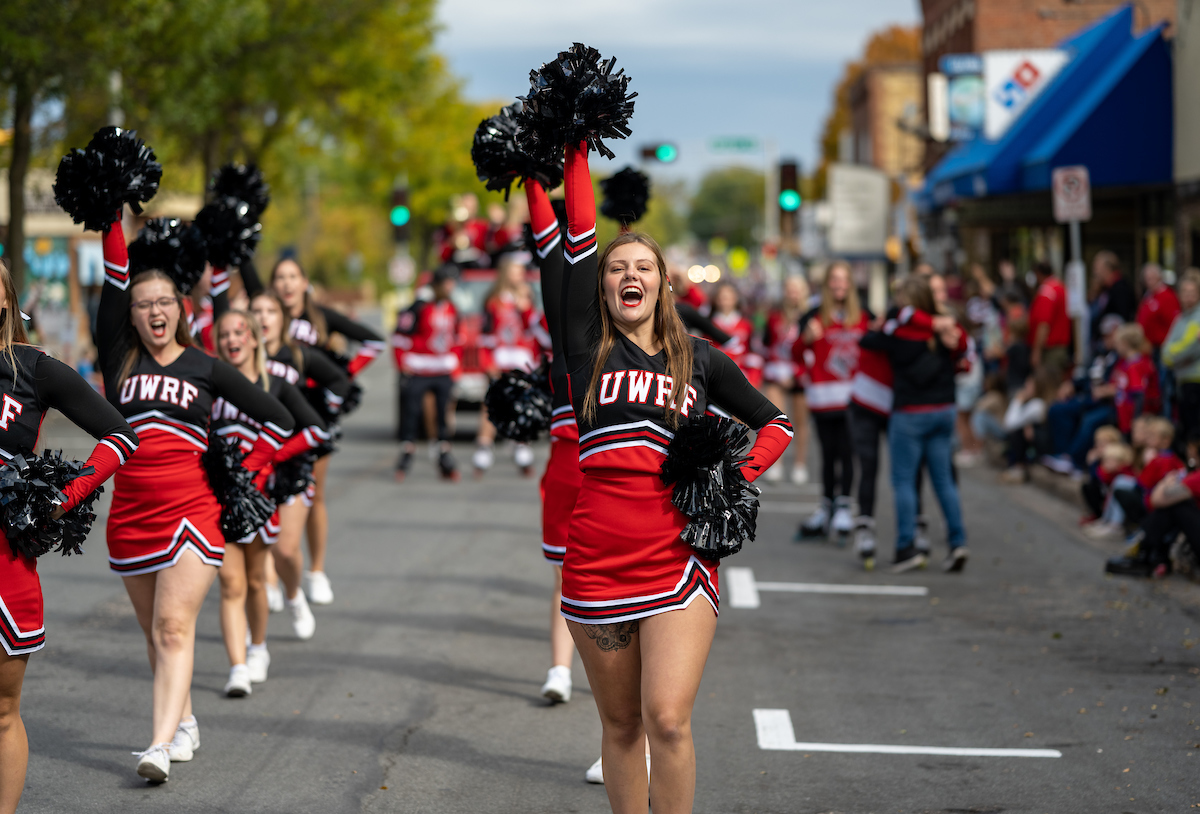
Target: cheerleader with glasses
x,y
313,324
243,574
30,384
164,529
630,583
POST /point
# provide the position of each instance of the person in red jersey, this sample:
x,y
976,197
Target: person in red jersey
x,y
784,376
1158,308
1135,377
1049,324
313,324
727,315
630,583
428,350
244,572
30,384
164,530
828,347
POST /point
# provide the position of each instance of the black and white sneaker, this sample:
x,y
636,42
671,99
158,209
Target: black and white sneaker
x,y
921,540
909,560
447,466
956,560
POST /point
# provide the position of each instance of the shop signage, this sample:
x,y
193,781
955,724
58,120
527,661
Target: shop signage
x,y
1012,80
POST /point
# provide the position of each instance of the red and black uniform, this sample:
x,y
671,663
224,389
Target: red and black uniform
x,y
830,363
562,478
162,503
27,390
428,348
779,337
738,348
370,344
228,421
625,559
506,339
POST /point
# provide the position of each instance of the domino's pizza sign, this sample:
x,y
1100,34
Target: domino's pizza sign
x,y
1012,80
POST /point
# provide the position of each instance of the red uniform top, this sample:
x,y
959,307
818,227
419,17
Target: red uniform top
x,y
831,361
1156,313
779,336
1163,464
426,340
505,340
1050,308
694,297
738,348
1136,380
872,384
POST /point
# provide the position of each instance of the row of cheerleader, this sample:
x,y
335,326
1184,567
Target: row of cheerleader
x,y
216,424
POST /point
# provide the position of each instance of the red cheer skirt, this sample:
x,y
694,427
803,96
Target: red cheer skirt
x,y
625,559
560,487
21,628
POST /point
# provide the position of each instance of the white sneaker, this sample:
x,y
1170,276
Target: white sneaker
x,y
154,764
800,474
186,740
558,685
274,598
482,458
238,685
843,521
774,473
595,774
317,586
258,661
302,619
523,456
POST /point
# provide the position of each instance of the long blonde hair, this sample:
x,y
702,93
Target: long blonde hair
x,y
677,345
12,326
852,309
285,327
260,353
182,335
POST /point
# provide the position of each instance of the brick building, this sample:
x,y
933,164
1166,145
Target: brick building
x,y
880,99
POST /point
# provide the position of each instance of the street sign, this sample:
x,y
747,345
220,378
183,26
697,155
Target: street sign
x,y
1072,191
859,198
734,144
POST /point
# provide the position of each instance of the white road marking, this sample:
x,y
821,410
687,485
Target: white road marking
x,y
743,589
775,733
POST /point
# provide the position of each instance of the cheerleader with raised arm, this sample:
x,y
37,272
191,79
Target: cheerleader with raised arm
x,y
164,530
243,573
30,384
313,324
630,582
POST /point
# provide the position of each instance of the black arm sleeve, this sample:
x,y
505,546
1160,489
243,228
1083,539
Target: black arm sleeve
x,y
581,301
728,387
295,403
250,280
875,340
812,313
339,323
324,371
695,321
60,387
250,398
112,327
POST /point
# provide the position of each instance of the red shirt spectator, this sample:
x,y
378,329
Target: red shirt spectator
x,y
1136,380
1050,308
1158,310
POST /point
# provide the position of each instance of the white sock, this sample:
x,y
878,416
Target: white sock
x,y
256,648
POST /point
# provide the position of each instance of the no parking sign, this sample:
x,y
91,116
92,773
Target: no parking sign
x,y
1072,194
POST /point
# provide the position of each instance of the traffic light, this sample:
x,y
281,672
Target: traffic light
x,y
789,186
664,152
400,215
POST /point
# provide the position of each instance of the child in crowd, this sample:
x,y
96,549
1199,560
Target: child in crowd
x,y
1135,377
1026,413
1115,472
1157,460
1094,490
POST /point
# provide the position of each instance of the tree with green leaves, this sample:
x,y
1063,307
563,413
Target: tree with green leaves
x,y
729,205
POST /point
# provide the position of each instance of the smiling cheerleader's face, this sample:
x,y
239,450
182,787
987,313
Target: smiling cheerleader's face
x,y
631,284
155,312
235,340
269,317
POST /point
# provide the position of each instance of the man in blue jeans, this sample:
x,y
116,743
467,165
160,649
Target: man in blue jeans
x,y
1073,421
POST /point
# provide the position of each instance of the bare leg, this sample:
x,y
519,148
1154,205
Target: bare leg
x,y
674,648
487,430
288,558
801,428
167,603
14,745
562,646
318,519
269,569
613,661
233,602
257,613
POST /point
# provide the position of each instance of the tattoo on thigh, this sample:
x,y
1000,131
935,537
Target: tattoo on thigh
x,y
612,637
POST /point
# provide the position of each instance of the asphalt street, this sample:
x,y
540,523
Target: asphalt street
x,y
419,692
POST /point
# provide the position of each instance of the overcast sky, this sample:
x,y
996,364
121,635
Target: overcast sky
x,y
702,68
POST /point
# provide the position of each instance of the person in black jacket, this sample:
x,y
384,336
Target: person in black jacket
x,y
922,422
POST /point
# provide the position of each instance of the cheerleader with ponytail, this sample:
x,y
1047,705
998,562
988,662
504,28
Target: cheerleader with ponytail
x,y
313,324
31,383
243,574
164,530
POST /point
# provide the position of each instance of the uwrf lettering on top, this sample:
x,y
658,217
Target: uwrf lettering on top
x,y
637,384
156,387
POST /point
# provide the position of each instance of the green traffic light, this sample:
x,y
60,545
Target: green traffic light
x,y
789,200
400,215
666,153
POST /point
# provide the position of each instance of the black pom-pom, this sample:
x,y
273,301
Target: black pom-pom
x,y
519,404
245,183
231,230
244,509
172,246
354,397
30,492
574,98
500,161
291,477
704,464
116,168
625,195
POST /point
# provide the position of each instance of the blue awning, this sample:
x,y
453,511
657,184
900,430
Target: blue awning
x,y
1109,108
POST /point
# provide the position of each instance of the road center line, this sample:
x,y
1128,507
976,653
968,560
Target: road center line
x,y
775,733
743,589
